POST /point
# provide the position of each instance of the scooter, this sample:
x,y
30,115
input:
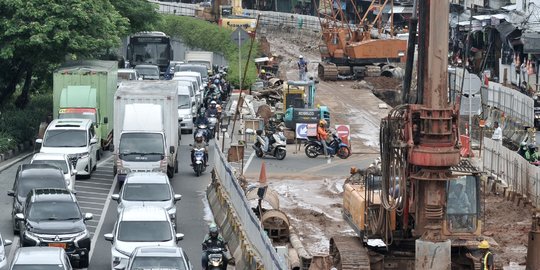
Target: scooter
x,y
203,130
212,121
215,258
199,167
277,144
314,148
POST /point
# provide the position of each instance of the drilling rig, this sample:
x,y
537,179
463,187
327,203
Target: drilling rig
x,y
419,207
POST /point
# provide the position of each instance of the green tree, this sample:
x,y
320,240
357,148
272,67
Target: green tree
x,y
142,15
35,34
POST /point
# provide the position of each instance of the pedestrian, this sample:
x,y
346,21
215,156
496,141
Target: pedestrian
x,y
497,133
302,68
486,260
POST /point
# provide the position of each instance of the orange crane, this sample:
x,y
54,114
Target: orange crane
x,y
349,48
419,207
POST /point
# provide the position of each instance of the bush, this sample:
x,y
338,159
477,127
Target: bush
x,y
17,126
197,33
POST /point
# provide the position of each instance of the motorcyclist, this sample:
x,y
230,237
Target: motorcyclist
x,y
212,109
213,240
201,120
322,136
199,143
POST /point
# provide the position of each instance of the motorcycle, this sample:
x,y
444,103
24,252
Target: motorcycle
x,y
314,148
277,144
212,121
203,130
199,166
215,258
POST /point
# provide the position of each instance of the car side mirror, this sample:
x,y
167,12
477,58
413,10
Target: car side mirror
x,y
105,120
93,141
179,236
115,197
177,197
11,193
19,216
108,237
171,149
40,141
88,216
7,243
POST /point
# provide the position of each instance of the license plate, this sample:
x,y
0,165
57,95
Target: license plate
x,y
60,245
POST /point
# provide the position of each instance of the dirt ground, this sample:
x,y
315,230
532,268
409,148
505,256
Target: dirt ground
x,y
318,216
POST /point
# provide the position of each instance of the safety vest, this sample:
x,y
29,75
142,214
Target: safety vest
x,y
485,261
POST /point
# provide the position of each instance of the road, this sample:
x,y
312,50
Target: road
x,y
94,197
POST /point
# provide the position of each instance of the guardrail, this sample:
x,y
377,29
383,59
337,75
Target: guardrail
x,y
514,104
250,223
520,177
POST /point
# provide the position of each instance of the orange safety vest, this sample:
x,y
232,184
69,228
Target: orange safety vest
x,y
485,261
321,133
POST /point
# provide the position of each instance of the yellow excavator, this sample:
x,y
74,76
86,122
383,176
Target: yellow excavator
x,y
418,207
226,13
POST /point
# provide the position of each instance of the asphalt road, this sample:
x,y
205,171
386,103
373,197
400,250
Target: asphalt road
x,y
94,197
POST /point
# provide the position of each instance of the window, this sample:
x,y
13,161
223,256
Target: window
x,y
462,204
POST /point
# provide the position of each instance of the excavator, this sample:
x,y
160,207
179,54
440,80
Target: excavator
x,y
418,206
349,50
226,13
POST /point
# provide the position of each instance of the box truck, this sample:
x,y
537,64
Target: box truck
x,y
85,89
146,131
201,58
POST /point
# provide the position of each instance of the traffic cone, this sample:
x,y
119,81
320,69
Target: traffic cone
x,y
262,175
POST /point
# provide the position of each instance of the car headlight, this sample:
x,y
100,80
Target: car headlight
x,y
172,212
123,170
83,155
127,254
116,261
82,235
30,235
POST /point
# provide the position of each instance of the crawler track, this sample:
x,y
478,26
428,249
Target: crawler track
x,y
348,253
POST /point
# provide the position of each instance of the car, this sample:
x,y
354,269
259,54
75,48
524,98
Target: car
x,y
193,93
62,162
40,258
194,85
52,217
28,177
3,257
201,69
170,69
148,72
148,189
138,226
158,257
76,138
186,109
128,74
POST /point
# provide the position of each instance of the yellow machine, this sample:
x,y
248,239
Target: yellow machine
x,y
227,13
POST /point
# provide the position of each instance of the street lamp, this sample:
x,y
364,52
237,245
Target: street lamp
x,y
223,130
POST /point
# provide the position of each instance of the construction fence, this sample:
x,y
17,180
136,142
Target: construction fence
x,y
516,106
233,214
515,173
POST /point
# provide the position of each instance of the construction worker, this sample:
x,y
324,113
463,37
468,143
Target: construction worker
x,y
262,75
322,136
487,257
302,68
522,149
497,133
531,155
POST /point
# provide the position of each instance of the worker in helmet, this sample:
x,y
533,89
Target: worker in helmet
x,y
302,68
263,75
522,149
322,136
213,240
486,260
531,155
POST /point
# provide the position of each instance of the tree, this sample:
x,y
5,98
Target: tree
x,y
142,15
37,33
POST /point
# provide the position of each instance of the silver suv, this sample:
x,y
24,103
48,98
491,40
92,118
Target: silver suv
x,y
148,189
140,226
42,258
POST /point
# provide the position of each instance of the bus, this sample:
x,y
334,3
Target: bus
x,y
150,48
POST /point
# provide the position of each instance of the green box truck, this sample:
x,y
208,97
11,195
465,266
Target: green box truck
x,y
85,89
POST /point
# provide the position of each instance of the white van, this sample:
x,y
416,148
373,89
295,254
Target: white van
x,y
192,85
77,139
185,109
198,92
192,74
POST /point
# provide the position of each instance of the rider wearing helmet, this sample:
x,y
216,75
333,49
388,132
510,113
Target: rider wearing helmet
x,y
322,136
212,109
199,143
213,240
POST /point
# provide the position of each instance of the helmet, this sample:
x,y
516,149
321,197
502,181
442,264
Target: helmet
x,y
484,244
532,146
198,137
523,143
354,170
213,230
322,122
263,71
216,81
213,102
300,56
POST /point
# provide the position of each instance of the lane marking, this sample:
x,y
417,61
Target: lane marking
x,y
13,248
87,202
101,220
89,187
89,198
89,184
97,193
248,162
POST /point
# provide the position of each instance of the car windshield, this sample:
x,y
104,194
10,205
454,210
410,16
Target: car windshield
x,y
61,164
26,185
146,192
144,147
51,210
86,115
144,231
148,71
58,266
201,69
126,75
183,101
148,263
65,138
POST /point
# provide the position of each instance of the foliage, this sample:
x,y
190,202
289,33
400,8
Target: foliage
x,y
22,125
201,34
6,142
36,34
142,15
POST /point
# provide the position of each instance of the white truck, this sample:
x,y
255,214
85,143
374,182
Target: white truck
x,y
200,57
146,130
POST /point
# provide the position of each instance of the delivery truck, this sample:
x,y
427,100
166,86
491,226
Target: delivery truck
x,y
146,131
201,58
85,89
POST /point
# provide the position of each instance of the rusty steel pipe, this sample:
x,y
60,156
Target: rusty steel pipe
x,y
533,248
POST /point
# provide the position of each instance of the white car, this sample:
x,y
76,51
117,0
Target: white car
x,y
62,162
3,255
137,227
77,139
148,189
